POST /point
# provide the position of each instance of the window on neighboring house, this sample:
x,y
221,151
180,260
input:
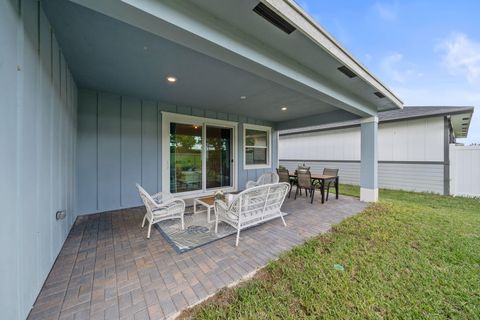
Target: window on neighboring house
x,y
257,142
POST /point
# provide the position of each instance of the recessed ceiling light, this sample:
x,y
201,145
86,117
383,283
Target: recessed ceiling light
x,y
379,94
171,79
243,97
284,108
465,118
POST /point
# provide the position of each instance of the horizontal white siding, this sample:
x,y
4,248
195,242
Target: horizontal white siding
x,y
412,140
411,177
349,172
412,153
426,177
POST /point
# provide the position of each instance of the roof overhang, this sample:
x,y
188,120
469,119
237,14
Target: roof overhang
x,y
317,34
461,123
226,31
460,118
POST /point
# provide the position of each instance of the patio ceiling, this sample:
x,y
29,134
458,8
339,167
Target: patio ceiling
x,y
131,53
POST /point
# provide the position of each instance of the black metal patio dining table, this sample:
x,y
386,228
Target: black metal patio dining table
x,y
322,179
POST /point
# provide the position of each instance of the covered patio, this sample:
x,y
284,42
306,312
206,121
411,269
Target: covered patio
x,y
181,97
107,270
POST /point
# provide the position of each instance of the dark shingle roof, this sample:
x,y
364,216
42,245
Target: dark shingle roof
x,y
420,112
406,113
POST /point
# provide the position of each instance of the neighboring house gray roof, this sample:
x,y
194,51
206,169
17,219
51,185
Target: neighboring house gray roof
x,y
460,124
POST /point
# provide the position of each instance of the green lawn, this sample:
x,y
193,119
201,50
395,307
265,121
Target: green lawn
x,y
410,256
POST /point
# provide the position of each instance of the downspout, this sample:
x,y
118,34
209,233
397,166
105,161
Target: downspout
x,y
446,156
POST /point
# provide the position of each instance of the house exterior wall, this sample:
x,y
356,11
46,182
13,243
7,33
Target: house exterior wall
x,y
120,144
411,153
37,157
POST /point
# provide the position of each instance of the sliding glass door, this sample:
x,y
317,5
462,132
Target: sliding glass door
x,y
200,154
186,145
219,157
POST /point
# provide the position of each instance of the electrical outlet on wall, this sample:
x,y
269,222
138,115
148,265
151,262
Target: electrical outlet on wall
x,y
60,215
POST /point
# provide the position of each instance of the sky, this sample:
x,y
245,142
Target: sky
x,y
427,52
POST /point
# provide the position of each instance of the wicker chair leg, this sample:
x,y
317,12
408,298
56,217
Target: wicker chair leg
x,y
296,193
183,223
149,229
143,222
238,237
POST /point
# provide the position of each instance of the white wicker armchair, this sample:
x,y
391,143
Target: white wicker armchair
x,y
161,206
252,206
266,178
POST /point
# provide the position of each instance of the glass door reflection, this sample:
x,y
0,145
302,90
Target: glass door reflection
x,y
185,157
218,157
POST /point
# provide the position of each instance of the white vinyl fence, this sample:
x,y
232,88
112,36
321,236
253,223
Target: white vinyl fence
x,y
465,170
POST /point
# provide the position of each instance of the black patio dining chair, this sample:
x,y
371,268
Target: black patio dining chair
x,y
304,181
330,182
301,168
284,176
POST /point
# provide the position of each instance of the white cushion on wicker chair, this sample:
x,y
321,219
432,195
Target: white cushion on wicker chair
x,y
161,206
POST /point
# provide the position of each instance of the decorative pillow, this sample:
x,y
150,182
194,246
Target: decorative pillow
x,y
229,198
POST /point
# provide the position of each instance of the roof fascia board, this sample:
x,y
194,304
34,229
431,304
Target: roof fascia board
x,y
295,15
196,29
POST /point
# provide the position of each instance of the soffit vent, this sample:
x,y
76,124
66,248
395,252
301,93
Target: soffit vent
x,y
272,17
379,94
349,73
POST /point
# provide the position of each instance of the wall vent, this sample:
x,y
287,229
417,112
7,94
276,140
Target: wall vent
x,y
349,73
272,17
379,94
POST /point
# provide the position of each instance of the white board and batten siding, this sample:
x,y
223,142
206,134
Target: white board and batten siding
x,y
465,170
411,153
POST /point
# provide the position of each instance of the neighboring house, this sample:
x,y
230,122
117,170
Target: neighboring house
x,y
180,96
413,147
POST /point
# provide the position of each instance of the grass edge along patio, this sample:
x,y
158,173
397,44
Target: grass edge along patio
x,y
412,255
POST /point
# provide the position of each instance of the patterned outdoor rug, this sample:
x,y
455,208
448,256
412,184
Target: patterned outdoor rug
x,y
197,232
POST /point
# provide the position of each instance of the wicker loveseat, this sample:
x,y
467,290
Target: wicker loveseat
x,y
252,206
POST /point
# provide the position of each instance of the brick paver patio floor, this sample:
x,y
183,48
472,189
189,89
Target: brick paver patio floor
x,y
107,269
